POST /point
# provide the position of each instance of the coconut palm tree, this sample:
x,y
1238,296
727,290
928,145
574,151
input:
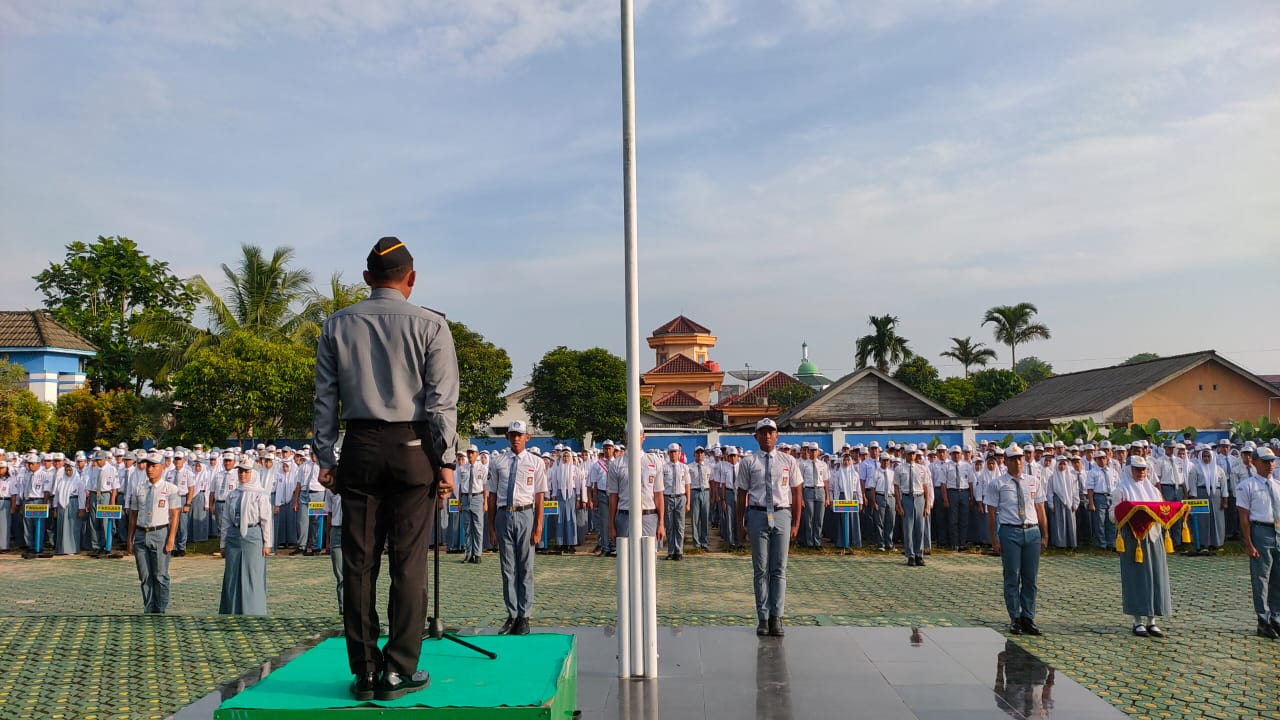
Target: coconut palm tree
x,y
883,346
321,304
1012,326
968,353
260,296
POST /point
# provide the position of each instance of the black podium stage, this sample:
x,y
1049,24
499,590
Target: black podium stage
x,y
715,673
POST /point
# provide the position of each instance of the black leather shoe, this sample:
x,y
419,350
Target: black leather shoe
x,y
395,686
1029,627
763,629
911,562
1154,631
1140,630
775,627
521,627
507,626
919,562
363,686
1275,625
1015,627
1266,630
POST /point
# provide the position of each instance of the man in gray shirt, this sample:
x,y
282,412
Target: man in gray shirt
x,y
392,366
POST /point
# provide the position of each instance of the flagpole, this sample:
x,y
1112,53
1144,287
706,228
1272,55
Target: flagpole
x,y
633,618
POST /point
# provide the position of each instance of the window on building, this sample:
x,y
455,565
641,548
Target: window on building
x,y
1215,387
1201,387
663,358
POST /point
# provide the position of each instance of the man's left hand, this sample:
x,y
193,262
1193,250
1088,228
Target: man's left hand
x,y
328,478
795,531
536,536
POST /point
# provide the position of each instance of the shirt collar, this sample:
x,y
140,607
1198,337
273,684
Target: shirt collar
x,y
380,293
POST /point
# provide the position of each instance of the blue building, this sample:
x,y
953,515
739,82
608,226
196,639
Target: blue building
x,y
53,356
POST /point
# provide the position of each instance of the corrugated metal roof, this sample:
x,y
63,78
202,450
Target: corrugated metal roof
x,y
36,329
677,399
679,363
681,325
1092,391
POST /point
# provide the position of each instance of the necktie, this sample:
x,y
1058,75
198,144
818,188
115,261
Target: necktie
x,y
911,480
1022,501
511,482
150,502
1275,500
768,485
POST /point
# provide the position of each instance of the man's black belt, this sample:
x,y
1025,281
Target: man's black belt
x,y
380,424
762,508
473,494
642,512
700,489
517,508
1028,526
1264,524
153,527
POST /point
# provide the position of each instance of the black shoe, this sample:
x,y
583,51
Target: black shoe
x,y
475,560
507,626
919,562
521,627
1266,630
763,629
363,686
1275,625
179,553
1154,631
775,627
308,553
395,686
679,556
1140,630
1015,627
296,551
911,562
1029,627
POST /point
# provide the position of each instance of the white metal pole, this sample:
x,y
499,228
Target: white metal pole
x,y
634,448
624,608
649,619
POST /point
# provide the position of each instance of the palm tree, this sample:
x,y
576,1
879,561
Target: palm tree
x,y
883,346
320,305
967,352
1012,325
260,297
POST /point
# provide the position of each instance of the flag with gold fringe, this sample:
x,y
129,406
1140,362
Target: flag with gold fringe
x,y
1139,516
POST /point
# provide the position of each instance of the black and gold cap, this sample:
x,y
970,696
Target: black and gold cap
x,y
388,254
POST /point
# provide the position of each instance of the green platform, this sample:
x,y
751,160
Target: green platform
x,y
535,676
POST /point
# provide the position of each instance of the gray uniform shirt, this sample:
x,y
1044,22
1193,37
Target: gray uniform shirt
x,y
387,359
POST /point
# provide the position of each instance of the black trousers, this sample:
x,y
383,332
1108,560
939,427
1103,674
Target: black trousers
x,y
388,494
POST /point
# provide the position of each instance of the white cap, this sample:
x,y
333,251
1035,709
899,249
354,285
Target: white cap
x,y
1137,461
673,447
473,449
1105,444
1264,454
874,444
154,457
1013,451
519,427
731,450
764,423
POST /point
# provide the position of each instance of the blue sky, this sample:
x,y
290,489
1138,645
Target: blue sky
x,y
802,164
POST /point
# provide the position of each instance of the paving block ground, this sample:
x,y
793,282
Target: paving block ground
x,y
72,644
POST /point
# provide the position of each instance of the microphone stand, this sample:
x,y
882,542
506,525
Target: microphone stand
x,y
435,625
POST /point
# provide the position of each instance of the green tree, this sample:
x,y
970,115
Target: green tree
x,y
1012,325
992,387
83,419
244,387
260,296
883,347
485,370
969,353
918,374
1141,357
955,393
25,422
1033,370
103,290
789,396
575,392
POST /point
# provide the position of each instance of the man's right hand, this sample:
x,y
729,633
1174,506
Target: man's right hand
x,y
129,547
493,538
1251,551
900,510
328,478
1092,508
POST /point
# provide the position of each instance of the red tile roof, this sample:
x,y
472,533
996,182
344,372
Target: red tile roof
x,y
679,363
35,329
681,325
760,391
679,398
